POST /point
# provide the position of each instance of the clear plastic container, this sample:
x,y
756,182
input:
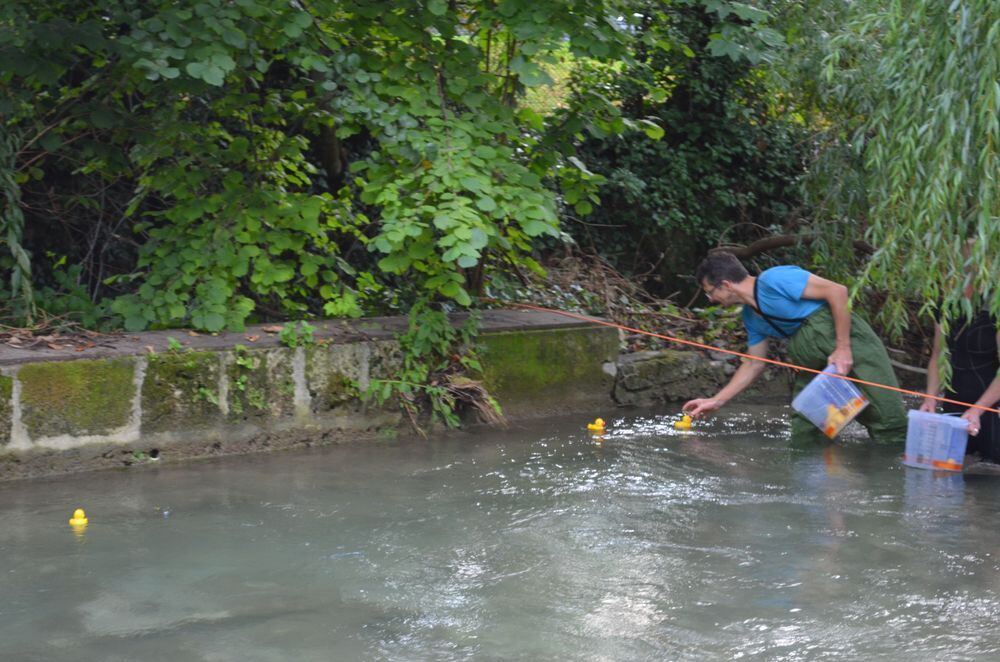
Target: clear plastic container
x,y
830,402
935,441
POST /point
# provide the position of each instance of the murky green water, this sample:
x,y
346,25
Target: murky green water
x,y
531,544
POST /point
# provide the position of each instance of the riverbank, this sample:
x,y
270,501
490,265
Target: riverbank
x,y
165,396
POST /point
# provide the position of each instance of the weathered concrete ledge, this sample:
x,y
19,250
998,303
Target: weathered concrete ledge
x,y
139,398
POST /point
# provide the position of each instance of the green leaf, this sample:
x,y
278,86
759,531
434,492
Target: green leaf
x,y
223,61
395,263
478,239
580,165
534,119
652,129
473,183
463,297
442,222
535,228
213,322
235,38
214,76
486,204
437,7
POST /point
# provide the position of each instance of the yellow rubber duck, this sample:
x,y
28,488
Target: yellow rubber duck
x,y
597,425
835,419
79,518
684,423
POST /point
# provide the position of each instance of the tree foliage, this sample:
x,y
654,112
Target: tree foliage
x,y
913,92
213,162
730,159
201,148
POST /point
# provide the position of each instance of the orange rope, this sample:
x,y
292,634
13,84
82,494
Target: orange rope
x,y
745,356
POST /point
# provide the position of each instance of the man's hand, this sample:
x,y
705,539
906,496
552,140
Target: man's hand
x,y
700,406
928,405
973,416
842,359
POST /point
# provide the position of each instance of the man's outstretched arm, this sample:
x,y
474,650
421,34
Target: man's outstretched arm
x,y
744,376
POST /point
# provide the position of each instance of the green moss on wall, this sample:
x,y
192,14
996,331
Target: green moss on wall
x,y
76,397
247,373
6,407
181,391
548,369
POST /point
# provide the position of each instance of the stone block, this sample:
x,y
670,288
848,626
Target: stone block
x,y
181,391
657,377
76,397
552,370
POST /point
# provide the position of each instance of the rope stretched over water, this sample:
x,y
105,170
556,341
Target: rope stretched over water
x,y
692,343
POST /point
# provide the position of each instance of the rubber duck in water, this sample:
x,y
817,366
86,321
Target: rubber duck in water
x,y
684,423
597,425
79,522
79,518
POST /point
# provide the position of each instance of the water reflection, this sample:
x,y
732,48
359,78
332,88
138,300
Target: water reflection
x,y
934,495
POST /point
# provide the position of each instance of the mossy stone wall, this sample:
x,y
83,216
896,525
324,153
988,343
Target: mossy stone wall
x,y
78,415
666,376
336,377
248,389
545,371
79,398
181,390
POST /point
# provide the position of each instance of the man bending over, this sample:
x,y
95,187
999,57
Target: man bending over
x,y
812,313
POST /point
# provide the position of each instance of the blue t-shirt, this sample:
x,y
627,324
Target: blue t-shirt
x,y
779,294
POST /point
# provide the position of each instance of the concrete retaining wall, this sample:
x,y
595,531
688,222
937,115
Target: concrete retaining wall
x,y
167,395
143,398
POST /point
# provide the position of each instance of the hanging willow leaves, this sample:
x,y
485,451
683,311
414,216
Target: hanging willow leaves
x,y
917,88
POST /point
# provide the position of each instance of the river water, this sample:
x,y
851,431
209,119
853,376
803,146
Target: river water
x,y
538,542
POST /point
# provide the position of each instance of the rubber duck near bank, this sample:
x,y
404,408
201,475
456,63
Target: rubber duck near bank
x,y
78,522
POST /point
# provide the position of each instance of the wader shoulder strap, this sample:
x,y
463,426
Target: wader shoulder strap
x,y
771,319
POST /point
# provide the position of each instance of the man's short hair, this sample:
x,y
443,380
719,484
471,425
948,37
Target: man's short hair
x,y
718,267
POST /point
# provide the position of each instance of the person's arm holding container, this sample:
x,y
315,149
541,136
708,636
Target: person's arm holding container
x,y
933,376
836,296
989,398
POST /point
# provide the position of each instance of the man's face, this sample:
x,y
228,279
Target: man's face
x,y
721,294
